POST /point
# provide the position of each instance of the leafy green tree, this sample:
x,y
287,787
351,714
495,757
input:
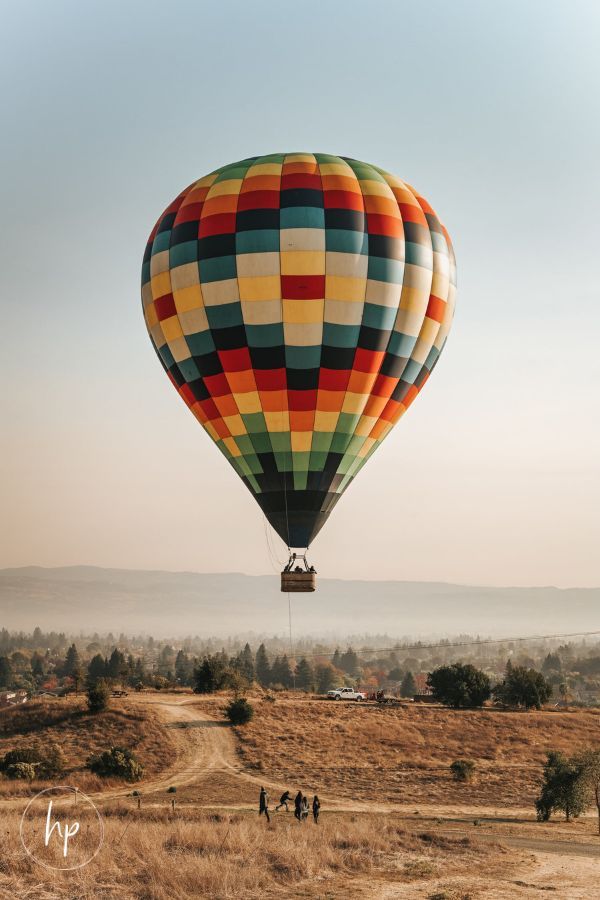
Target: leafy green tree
x,y
562,788
459,685
523,687
305,677
211,675
408,688
326,677
98,696
589,761
6,673
239,711
262,666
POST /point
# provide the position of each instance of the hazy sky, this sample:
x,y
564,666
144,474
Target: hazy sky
x,y
490,109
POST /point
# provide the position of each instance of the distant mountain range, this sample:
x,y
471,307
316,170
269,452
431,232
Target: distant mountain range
x,y
86,598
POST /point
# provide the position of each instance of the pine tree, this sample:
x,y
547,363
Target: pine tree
x,y
247,663
305,677
336,659
6,672
72,662
263,669
408,688
97,669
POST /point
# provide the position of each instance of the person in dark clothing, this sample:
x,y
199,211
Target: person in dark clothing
x,y
263,804
283,801
298,806
316,808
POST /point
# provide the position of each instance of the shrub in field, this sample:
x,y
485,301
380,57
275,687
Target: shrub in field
x,y
459,685
117,762
23,770
98,696
462,769
239,711
46,761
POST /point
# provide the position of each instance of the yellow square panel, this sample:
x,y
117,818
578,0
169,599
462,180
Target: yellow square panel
x,y
277,421
354,403
161,285
264,288
235,425
232,446
350,289
325,421
366,447
301,441
264,169
363,429
303,311
248,403
171,328
376,188
188,298
302,263
231,186
150,316
414,300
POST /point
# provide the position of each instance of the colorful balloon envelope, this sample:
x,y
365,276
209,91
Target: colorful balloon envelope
x,y
298,303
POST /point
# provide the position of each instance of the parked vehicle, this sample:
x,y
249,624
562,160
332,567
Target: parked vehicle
x,y
346,693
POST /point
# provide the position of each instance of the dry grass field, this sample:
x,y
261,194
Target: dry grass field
x,y
402,754
66,722
157,855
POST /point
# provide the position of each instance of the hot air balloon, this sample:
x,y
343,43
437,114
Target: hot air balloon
x,y
298,302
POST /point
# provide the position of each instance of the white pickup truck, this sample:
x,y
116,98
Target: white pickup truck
x,y
346,693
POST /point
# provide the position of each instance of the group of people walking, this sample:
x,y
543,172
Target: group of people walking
x,y
301,805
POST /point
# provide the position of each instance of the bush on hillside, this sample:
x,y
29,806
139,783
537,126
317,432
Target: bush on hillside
x,y
239,711
117,762
462,769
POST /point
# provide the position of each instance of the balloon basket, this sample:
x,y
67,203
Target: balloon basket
x,y
298,582
296,578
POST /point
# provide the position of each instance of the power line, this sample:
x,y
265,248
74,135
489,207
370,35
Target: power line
x,y
445,644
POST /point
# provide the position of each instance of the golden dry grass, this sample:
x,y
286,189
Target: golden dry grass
x,y
155,855
403,754
67,722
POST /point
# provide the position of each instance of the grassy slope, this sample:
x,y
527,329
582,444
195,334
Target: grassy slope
x,y
66,722
402,755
